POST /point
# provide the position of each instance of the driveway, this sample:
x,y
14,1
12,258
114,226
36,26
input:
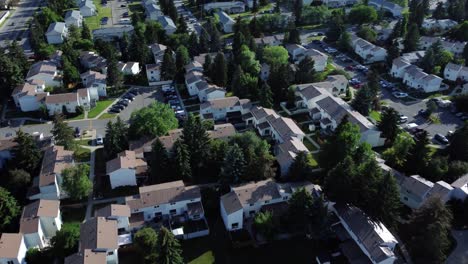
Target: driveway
x,y
460,254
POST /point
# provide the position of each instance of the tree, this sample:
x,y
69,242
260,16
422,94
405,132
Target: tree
x,y
339,179
363,100
195,137
86,32
16,53
220,70
255,27
9,208
114,75
233,166
396,155
275,56
18,180
11,75
193,45
386,208
440,12
362,15
65,241
168,67
63,133
345,42
411,40
335,26
139,50
38,256
301,168
155,120
456,10
367,33
393,52
181,157
298,5
264,224
116,139
418,156
208,66
465,54
168,248
429,229
182,58
26,154
159,163
294,36
146,240
389,124
181,26
76,182
266,95
300,205
248,62
458,149
306,71
279,81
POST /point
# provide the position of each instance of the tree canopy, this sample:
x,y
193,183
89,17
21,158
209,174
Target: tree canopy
x,y
63,133
155,120
275,55
76,182
168,248
9,208
362,14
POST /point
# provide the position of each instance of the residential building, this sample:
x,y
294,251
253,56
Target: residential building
x,y
245,201
387,6
438,25
29,96
265,71
112,33
209,91
153,72
362,239
39,222
56,103
460,188
48,184
414,76
152,10
297,53
124,169
84,98
6,145
224,108
158,51
167,24
90,60
191,80
12,249
171,202
226,21
87,8
73,17
45,71
369,52
129,68
334,84
56,33
118,212
99,234
454,72
97,82
229,7
455,47
274,40
339,3
87,256
193,66
327,111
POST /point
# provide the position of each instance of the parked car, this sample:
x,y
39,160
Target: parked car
x,y
77,132
441,139
349,68
403,119
115,110
400,94
316,41
424,113
119,106
123,102
129,97
99,140
123,5
125,14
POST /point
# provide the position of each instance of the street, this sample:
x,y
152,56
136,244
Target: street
x,y
16,26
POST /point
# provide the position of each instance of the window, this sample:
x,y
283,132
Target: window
x,y
252,212
235,225
173,203
405,198
285,198
173,211
110,253
157,206
267,202
53,223
10,262
196,216
251,204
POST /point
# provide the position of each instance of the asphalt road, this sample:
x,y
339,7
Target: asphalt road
x,y
117,12
141,100
20,17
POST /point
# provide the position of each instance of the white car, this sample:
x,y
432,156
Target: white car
x,y
99,140
400,95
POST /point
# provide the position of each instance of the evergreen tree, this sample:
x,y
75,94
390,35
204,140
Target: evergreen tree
x,y
204,41
181,26
418,156
18,181
215,40
389,124
193,45
339,179
146,240
195,137
335,26
411,40
300,169
294,35
306,71
266,95
11,75
208,66
168,248
345,42
393,52
182,58
236,87
125,47
116,139
386,208
62,133
114,75
159,163
458,149
86,32
181,157
16,53
168,67
440,12
363,100
26,154
300,206
279,82
396,156
233,166
429,229
139,50
255,27
220,70
154,32
298,5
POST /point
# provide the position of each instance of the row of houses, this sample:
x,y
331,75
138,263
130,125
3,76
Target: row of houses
x,y
455,47
438,25
369,52
298,52
153,12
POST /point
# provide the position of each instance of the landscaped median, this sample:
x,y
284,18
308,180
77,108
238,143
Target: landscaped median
x,y
94,22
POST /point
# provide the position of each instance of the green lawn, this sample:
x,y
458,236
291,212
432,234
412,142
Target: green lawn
x,y
107,116
206,258
322,75
375,115
249,13
100,106
94,22
82,154
309,145
84,142
78,117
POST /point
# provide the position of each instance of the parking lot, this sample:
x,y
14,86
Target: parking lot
x,y
193,24
118,8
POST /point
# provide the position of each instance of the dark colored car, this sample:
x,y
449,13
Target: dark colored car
x,y
316,41
77,132
424,113
441,138
122,102
115,110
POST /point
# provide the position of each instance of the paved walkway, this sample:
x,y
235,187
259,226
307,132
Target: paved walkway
x,y
460,254
92,162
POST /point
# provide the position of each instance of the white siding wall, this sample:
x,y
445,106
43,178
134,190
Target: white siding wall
x,y
165,209
122,177
28,103
57,108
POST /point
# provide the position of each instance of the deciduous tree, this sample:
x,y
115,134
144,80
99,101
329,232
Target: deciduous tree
x,y
155,120
9,208
76,182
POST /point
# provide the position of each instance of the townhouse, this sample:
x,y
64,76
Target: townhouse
x,y
369,52
414,76
73,17
387,6
152,10
90,60
158,51
29,96
362,239
96,83
339,3
87,8
327,112
57,103
297,53
454,72
45,71
415,190
245,201
229,7
460,187
12,248
455,47
118,212
334,84
226,21
167,24
112,33
99,234
438,25
87,256
175,205
153,72
229,108
56,33
274,40
39,222
124,169
48,184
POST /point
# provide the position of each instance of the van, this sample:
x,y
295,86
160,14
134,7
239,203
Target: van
x,y
125,20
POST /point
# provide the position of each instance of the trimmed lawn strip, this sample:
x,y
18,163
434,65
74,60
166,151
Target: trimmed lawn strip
x,y
206,258
78,117
375,115
94,22
107,116
82,154
100,106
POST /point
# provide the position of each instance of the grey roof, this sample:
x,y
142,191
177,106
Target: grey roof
x,y
88,4
166,22
225,18
310,91
201,85
416,186
56,27
75,14
460,182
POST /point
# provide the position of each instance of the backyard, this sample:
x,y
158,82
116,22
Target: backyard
x,y
94,22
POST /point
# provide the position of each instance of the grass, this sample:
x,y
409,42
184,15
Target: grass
x,y
309,145
226,36
313,161
205,258
100,106
82,154
84,142
322,75
94,22
78,117
107,116
375,115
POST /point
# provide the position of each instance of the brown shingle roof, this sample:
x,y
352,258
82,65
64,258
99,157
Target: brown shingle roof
x,y
10,244
45,208
56,159
61,98
126,160
87,257
114,210
99,233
